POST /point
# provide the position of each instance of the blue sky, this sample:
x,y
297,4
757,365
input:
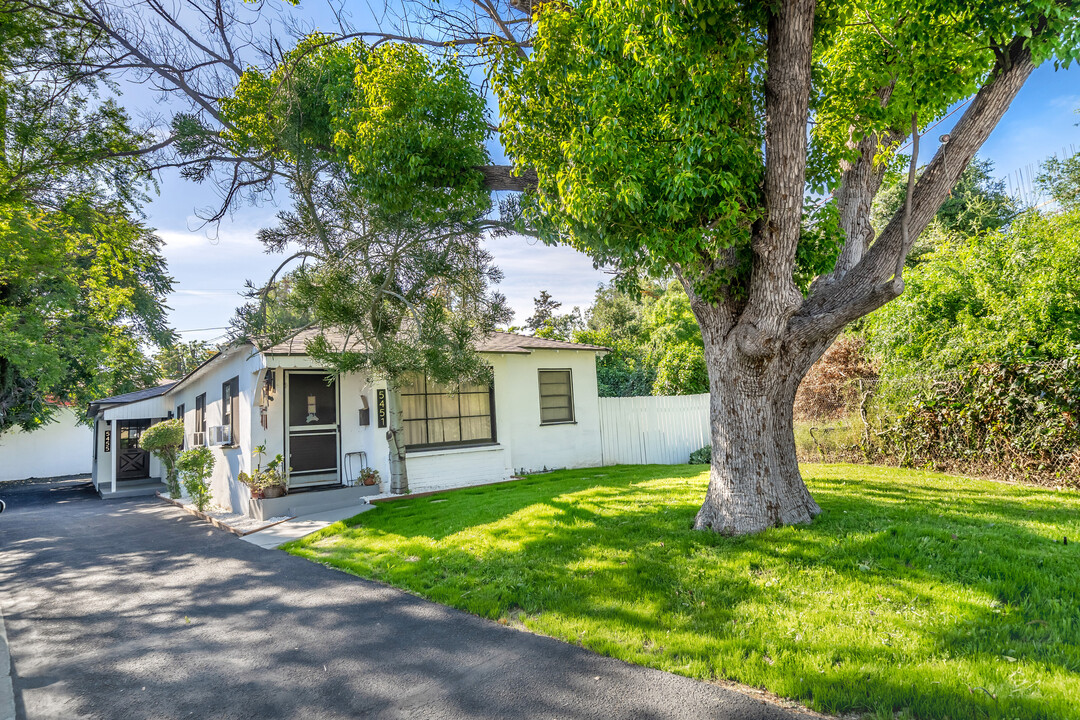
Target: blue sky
x,y
210,268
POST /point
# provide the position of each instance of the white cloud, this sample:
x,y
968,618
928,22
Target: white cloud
x,y
529,266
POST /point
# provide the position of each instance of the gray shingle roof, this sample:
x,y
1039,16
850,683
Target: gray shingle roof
x,y
497,342
135,396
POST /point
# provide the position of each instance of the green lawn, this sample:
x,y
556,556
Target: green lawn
x,y
931,595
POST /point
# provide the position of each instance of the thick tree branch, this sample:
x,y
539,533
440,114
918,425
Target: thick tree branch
x,y
773,297
503,177
870,284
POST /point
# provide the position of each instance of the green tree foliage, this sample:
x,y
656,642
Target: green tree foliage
x,y
82,281
684,138
977,204
164,439
655,341
985,297
1060,177
1011,419
195,467
640,119
379,149
271,312
176,360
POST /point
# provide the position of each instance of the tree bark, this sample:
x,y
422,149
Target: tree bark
x,y
503,177
395,434
754,482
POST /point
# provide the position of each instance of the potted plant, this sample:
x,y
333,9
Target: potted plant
x,y
268,482
369,476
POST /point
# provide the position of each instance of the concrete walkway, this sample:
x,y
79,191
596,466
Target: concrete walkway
x,y
302,525
134,609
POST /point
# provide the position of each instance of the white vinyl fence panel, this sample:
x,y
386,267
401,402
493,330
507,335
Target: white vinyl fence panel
x,y
653,430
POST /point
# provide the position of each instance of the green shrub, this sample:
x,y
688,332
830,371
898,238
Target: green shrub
x,y
702,456
195,466
164,439
1019,418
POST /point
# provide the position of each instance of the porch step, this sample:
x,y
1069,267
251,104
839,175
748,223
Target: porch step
x,y
131,488
312,501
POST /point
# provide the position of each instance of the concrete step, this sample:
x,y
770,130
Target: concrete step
x,y
312,501
131,488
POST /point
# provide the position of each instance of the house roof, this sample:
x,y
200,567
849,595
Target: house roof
x,y
497,342
136,396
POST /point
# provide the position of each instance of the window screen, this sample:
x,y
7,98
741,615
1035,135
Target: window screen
x,y
556,396
200,416
230,406
180,417
438,415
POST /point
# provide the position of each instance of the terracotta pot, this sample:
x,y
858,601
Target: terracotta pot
x,y
274,491
256,494
369,481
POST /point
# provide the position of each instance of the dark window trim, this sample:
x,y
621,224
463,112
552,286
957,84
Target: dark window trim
x,y
200,415
232,388
478,442
180,411
540,396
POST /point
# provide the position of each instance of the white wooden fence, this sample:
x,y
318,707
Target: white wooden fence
x,y
659,430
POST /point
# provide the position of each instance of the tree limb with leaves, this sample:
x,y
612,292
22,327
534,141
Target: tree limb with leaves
x,y
378,146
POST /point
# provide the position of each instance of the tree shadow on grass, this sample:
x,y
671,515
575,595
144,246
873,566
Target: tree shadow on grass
x,y
133,609
960,583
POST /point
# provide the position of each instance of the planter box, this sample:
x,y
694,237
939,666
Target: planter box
x,y
311,501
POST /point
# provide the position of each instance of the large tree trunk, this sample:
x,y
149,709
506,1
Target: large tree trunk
x,y
754,483
395,434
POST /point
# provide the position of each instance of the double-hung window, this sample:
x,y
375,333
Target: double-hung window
x,y
437,415
230,407
556,396
180,417
200,419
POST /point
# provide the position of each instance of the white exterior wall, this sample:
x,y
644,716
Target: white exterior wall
x,y
242,363
60,448
523,444
457,467
428,470
152,409
532,446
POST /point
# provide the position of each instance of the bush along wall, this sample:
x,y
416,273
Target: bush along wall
x,y
1014,420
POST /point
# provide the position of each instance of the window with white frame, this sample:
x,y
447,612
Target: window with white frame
x,y
556,396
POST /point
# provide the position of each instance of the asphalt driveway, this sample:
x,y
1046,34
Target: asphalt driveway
x,y
134,609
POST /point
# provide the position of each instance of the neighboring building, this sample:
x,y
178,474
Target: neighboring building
x,y
55,449
540,412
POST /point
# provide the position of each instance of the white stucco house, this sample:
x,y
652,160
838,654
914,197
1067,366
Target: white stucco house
x,y
541,411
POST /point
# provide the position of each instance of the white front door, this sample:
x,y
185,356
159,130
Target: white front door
x,y
311,428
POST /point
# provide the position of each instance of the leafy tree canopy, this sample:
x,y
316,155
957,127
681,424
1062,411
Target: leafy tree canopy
x,y
379,147
977,203
176,360
82,281
1060,177
985,297
645,120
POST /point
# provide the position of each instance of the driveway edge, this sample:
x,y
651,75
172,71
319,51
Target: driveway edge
x,y
7,691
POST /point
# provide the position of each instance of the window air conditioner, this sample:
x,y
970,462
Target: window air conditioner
x,y
220,435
